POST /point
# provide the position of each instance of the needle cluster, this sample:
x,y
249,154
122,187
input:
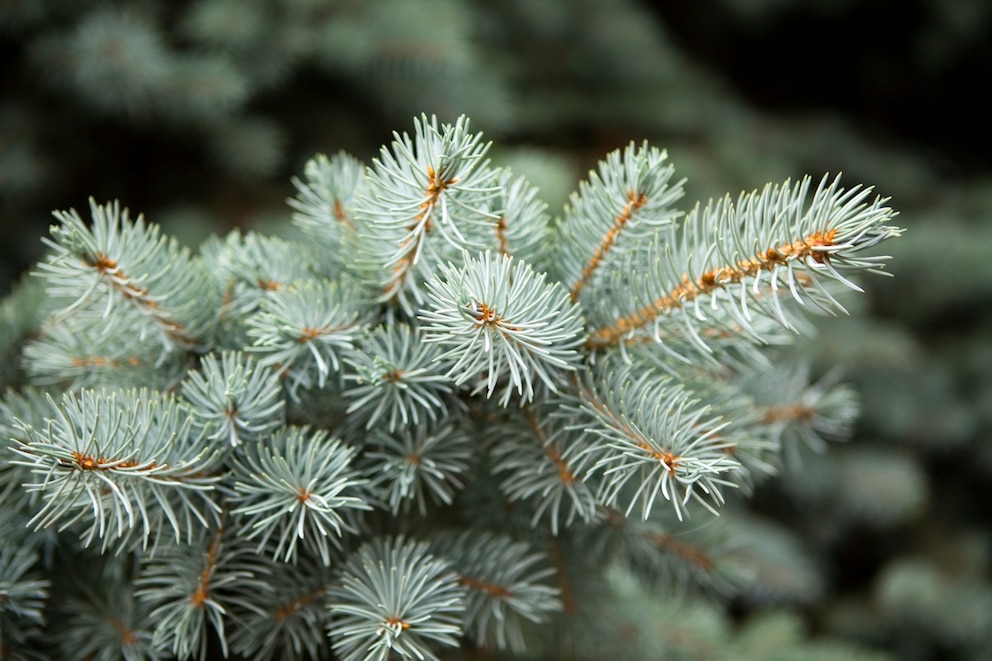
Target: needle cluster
x,y
441,421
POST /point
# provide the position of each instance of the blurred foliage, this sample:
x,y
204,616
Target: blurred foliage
x,y
198,112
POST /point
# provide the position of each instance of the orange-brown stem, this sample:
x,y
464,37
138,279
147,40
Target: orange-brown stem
x,y
87,362
394,620
686,551
89,463
634,202
493,589
670,459
139,295
309,333
295,605
127,636
564,473
689,290
564,585
340,214
202,592
504,245
410,245
798,412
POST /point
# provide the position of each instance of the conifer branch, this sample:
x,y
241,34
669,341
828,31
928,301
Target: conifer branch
x,y
408,466
27,407
234,399
634,203
302,329
437,182
247,268
23,596
660,551
506,586
542,462
305,406
88,349
396,379
523,227
798,413
419,228
720,277
295,619
130,263
394,596
326,196
295,488
691,554
105,620
499,320
657,435
189,590
738,257
626,201
113,458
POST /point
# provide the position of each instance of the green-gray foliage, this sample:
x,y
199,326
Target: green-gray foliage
x,y
516,414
